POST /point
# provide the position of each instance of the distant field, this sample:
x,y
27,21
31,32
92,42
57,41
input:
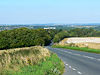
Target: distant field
x,y
87,44
90,42
83,40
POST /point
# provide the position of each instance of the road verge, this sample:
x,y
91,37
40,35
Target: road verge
x,y
30,61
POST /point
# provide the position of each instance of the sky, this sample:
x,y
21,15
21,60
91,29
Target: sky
x,y
49,11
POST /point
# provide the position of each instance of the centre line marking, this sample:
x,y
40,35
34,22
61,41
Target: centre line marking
x,y
67,64
70,67
73,69
79,72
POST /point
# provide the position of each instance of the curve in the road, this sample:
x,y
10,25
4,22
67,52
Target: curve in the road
x,y
77,62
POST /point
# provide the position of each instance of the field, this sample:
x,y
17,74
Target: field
x,y
87,44
30,61
90,42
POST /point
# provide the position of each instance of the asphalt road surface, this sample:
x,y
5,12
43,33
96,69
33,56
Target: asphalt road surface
x,y
77,62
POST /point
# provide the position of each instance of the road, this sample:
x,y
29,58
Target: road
x,y
77,62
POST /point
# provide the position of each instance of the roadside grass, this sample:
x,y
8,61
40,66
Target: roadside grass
x,y
85,49
51,66
30,61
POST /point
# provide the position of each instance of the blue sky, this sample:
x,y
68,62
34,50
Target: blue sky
x,y
49,11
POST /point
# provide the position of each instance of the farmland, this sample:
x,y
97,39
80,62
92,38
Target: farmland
x,y
90,42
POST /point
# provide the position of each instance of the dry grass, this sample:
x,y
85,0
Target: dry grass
x,y
15,58
94,45
82,42
30,61
63,42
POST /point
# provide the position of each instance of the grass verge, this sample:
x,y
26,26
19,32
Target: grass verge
x,y
85,49
51,66
38,62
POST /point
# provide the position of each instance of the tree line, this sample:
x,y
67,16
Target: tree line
x,y
24,37
77,32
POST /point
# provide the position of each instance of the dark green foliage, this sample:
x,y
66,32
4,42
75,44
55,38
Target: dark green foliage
x,y
78,32
84,32
24,37
61,35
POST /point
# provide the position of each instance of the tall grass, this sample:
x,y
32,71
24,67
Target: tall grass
x,y
13,59
51,66
30,61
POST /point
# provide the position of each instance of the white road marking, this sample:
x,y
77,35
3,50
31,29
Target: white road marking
x,y
73,69
98,59
77,54
67,64
80,55
89,57
70,67
70,52
79,72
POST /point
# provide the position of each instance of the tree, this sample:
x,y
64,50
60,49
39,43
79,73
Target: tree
x,y
59,36
24,37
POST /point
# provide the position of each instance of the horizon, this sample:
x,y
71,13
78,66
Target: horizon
x,y
49,11
56,24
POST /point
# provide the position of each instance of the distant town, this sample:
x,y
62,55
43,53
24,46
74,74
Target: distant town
x,y
49,26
